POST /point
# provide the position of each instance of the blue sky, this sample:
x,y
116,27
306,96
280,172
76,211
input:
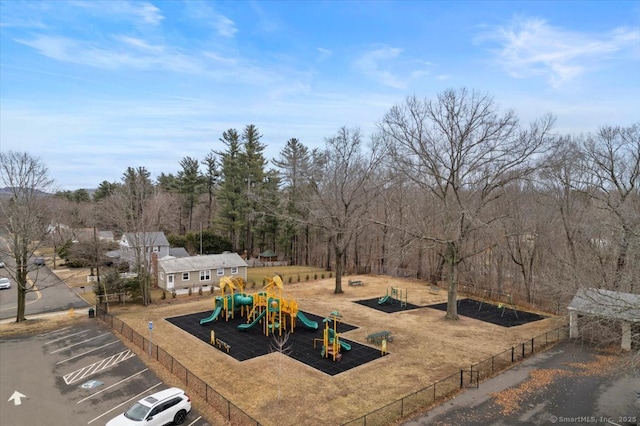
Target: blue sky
x,y
93,87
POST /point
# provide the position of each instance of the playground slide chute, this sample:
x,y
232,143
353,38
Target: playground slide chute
x,y
345,345
306,321
214,314
255,321
384,300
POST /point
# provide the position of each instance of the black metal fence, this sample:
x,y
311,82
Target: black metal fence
x,y
449,386
232,413
412,403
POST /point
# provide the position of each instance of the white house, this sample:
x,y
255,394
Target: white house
x,y
196,272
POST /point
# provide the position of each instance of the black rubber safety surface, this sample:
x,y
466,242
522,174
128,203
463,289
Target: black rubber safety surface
x,y
504,315
390,306
251,343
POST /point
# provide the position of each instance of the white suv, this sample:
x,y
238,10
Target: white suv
x,y
166,407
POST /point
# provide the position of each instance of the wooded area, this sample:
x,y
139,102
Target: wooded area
x,y
449,190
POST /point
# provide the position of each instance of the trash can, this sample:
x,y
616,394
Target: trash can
x,y
92,312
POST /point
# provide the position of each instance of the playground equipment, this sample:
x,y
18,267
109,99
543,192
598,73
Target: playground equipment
x,y
267,307
331,343
501,306
392,294
229,303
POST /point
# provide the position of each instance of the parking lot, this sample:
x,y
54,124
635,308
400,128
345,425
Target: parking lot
x,y
80,374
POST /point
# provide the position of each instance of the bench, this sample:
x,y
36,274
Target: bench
x,y
434,289
378,337
355,283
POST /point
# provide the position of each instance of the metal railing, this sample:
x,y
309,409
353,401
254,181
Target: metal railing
x,y
445,388
413,403
231,412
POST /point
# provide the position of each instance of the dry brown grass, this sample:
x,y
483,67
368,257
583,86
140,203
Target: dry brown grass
x,y
425,348
40,324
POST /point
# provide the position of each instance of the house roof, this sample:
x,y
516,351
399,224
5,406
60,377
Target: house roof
x,y
200,263
607,303
178,252
146,238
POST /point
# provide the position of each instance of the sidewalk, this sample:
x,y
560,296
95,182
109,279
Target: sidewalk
x,y
81,312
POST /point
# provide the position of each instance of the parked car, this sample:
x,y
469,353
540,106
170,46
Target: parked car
x,y
169,406
39,261
1,264
5,283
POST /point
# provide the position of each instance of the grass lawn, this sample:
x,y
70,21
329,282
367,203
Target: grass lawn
x,y
278,390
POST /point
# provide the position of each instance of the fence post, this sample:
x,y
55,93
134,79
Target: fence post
x,y
512,353
493,361
532,345
461,378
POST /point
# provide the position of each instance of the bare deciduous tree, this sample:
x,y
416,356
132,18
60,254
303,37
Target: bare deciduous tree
x,y
23,215
136,208
461,153
342,192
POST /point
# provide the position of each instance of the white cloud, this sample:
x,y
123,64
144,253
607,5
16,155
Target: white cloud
x,y
388,66
113,56
139,11
532,47
204,13
372,64
138,43
324,53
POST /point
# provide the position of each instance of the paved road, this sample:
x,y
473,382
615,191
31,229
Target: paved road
x,y
572,395
54,295
76,375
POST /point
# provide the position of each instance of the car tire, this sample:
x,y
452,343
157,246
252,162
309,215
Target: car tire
x,y
180,417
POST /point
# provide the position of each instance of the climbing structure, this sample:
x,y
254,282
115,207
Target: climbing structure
x,y
268,307
331,343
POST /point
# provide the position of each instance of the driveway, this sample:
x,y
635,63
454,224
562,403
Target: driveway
x,y
569,384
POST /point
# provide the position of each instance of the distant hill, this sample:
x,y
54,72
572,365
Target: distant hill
x,y
6,192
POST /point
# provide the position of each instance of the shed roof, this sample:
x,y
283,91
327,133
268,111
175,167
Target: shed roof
x,y
607,303
200,263
268,253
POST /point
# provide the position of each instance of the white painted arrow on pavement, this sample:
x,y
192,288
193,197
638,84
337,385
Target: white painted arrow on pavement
x,y
17,397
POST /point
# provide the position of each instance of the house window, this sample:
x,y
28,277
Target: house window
x,y
205,275
161,276
156,249
234,270
185,276
220,272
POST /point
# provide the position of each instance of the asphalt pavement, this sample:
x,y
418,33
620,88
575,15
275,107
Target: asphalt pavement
x,y
53,295
575,390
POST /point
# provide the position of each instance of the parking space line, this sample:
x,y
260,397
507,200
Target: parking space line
x,y
64,337
82,354
96,367
54,331
194,422
126,402
109,387
79,343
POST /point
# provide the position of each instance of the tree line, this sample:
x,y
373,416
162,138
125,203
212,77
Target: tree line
x,y
449,189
